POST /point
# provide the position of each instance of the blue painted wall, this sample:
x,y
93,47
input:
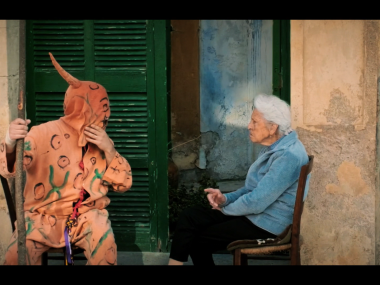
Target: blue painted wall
x,y
235,65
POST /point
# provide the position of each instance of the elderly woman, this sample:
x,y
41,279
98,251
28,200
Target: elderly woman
x,y
264,207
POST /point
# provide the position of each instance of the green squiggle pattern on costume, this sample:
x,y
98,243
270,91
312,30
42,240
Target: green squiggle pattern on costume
x,y
12,243
41,230
27,146
101,242
97,176
56,189
29,223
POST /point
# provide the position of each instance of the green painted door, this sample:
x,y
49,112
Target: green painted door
x,y
281,59
129,58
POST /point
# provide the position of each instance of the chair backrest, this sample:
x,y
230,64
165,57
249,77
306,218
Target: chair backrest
x,y
10,203
298,207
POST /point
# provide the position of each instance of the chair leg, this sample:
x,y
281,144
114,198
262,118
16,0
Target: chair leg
x,y
237,257
44,258
295,257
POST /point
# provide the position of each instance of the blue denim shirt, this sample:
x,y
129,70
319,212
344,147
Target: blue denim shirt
x,y
269,194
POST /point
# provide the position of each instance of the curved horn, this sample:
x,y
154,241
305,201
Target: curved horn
x,y
67,76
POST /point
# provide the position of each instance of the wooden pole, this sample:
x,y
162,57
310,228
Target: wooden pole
x,y
19,185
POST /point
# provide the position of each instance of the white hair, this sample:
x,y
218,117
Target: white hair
x,y
274,110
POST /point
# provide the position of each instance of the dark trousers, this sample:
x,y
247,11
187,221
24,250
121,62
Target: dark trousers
x,y
200,232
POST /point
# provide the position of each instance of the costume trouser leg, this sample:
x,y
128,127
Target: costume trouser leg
x,y
34,251
200,232
93,233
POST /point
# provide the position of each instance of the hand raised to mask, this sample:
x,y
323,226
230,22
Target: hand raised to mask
x,y
215,197
99,137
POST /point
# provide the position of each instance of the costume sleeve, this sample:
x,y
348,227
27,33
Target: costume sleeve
x,y
28,159
4,171
283,172
118,175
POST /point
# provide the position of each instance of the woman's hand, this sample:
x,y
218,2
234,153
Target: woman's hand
x,y
215,197
99,137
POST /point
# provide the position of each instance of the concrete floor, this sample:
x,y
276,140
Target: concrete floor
x,y
161,258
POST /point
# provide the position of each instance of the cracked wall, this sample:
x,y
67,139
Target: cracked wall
x,y
235,65
334,75
9,65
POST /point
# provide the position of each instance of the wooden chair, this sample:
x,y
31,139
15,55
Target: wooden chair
x,y
45,255
286,245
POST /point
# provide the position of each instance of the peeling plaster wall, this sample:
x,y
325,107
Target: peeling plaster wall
x,y
185,122
235,65
9,54
334,71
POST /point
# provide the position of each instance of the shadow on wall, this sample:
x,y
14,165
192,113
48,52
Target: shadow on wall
x,y
223,158
227,156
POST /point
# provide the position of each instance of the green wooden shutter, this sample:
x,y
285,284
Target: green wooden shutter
x,y
281,59
120,55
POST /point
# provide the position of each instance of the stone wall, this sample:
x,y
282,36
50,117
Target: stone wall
x,y
9,65
334,71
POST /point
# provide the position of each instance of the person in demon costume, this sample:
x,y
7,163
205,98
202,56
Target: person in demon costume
x,y
70,165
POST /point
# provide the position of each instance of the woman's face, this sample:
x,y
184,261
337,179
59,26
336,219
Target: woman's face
x,y
259,131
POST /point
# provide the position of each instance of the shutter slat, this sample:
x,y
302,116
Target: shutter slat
x,y
121,26
66,37
120,58
118,42
113,41
58,37
128,52
120,49
116,38
120,21
57,32
118,31
59,27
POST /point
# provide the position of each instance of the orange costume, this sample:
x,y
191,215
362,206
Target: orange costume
x,y
58,167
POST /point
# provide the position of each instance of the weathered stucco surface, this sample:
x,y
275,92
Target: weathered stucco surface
x,y
185,112
8,107
235,65
334,66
